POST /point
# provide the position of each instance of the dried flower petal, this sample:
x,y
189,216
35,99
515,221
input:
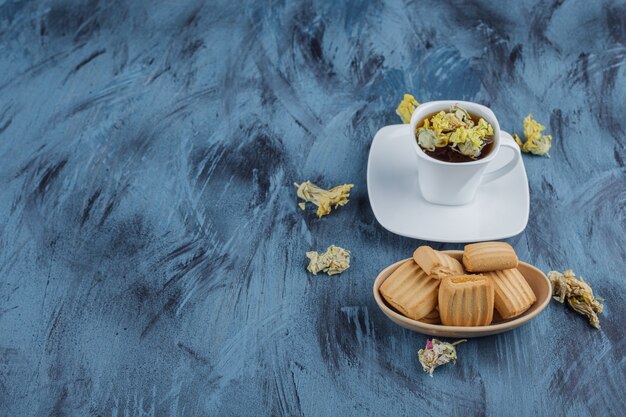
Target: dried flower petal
x,y
323,199
536,143
468,148
427,138
334,261
578,294
406,108
454,122
437,353
462,115
441,123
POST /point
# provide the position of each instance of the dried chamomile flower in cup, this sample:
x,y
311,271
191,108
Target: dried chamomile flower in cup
x,y
427,139
462,115
536,143
441,123
437,353
578,294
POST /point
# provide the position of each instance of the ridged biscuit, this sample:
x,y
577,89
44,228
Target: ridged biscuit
x,y
466,300
437,264
432,317
410,290
512,294
489,256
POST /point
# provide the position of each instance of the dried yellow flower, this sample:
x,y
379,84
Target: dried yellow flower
x,y
334,261
470,141
536,143
323,199
578,294
406,108
441,123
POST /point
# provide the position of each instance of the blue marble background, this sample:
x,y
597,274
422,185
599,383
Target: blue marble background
x,y
151,250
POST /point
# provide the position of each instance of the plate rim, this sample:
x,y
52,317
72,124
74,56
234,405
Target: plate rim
x,y
469,330
500,236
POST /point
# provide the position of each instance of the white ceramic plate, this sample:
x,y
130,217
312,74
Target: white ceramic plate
x,y
536,279
500,209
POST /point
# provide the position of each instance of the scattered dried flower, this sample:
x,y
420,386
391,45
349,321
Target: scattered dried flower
x,y
578,294
323,199
536,143
406,108
437,353
334,261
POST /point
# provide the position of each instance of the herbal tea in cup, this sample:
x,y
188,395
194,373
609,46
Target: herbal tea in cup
x,y
455,135
455,142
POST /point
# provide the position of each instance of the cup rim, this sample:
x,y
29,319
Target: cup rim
x,y
433,106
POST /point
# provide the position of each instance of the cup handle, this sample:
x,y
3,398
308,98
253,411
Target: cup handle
x,y
507,141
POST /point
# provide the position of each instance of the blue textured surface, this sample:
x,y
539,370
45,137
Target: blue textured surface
x,y
151,251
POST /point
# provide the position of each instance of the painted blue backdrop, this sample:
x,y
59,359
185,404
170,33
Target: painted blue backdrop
x,y
151,250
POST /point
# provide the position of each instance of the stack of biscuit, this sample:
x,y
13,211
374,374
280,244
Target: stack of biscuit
x,y
435,288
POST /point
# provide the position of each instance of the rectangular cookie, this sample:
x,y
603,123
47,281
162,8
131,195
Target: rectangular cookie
x,y
466,300
436,264
410,290
512,294
489,256
432,317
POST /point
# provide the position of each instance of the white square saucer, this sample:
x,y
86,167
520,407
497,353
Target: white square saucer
x,y
500,209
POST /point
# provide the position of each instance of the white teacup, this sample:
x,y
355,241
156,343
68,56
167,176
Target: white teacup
x,y
455,183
